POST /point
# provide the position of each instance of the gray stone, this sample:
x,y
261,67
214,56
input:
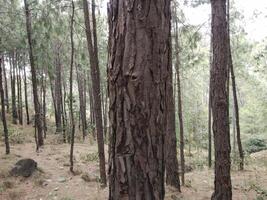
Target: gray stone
x,y
24,167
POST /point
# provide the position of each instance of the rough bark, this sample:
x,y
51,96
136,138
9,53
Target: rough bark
x,y
95,77
138,72
3,108
38,117
222,147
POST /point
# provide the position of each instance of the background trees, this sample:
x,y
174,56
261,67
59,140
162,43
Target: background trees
x,y
51,47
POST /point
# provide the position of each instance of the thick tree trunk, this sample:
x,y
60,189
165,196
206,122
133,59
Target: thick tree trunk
x,y
26,93
3,108
222,147
138,72
38,117
95,76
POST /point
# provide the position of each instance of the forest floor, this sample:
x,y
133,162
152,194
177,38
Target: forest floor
x,y
54,181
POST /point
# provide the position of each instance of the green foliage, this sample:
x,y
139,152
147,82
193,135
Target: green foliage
x,y
255,145
90,157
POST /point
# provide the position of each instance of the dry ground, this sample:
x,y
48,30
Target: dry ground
x,y
53,180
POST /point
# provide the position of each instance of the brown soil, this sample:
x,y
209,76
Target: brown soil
x,y
54,181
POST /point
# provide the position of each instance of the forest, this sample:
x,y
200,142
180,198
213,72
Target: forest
x,y
133,100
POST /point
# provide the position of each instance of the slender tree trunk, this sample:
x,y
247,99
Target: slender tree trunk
x,y
171,161
26,93
80,81
222,147
180,110
6,85
58,94
238,135
84,97
209,120
234,132
95,76
44,102
13,88
71,90
64,115
92,115
138,72
38,118
53,95
19,94
231,68
3,108
105,102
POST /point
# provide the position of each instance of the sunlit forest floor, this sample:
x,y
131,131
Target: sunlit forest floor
x,y
54,181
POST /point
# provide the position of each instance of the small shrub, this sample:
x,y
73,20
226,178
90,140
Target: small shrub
x,y
8,184
17,137
254,145
90,157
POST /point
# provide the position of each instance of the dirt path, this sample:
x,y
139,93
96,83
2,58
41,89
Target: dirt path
x,y
54,181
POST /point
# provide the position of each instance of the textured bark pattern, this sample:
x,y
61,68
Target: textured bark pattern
x,y
219,104
139,64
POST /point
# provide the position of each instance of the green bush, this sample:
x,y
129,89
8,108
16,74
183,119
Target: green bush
x,y
255,145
